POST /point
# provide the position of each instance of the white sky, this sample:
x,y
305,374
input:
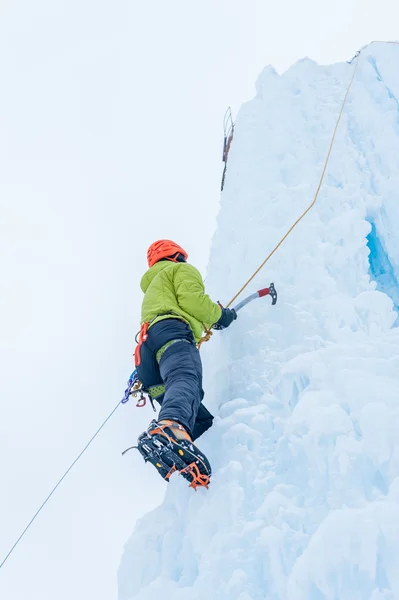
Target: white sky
x,y
110,137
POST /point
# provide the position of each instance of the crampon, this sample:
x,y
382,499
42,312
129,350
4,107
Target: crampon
x,y
170,455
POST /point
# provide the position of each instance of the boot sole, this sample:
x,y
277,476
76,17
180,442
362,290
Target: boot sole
x,y
168,456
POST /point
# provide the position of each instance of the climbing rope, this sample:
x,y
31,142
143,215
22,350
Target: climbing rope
x,y
57,485
356,59
208,332
305,212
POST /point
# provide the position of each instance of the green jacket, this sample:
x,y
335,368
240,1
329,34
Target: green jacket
x,y
176,289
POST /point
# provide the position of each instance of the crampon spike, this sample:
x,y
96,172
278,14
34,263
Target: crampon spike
x,y
198,478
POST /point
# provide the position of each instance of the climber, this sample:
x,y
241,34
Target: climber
x,y
175,313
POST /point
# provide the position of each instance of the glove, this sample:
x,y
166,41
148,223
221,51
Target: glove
x,y
228,316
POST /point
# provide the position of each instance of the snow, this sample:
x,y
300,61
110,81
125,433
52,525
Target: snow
x,y
304,500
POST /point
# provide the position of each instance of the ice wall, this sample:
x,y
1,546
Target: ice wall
x,y
304,501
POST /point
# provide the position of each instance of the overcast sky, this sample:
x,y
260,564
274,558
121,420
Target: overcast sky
x,y
110,137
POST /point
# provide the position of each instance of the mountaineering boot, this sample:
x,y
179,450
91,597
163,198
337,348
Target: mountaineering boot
x,y
168,446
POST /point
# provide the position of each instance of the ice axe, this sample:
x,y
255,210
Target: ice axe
x,y
269,291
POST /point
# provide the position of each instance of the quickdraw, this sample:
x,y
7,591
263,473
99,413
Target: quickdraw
x,y
134,388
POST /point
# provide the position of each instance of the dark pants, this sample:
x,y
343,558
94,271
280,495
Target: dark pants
x,y
180,370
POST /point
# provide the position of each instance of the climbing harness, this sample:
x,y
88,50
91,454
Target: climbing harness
x,y
163,349
142,336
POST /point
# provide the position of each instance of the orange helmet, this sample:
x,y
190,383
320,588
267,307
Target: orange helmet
x,y
164,249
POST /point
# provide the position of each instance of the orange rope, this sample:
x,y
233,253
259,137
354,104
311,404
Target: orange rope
x,y
206,337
